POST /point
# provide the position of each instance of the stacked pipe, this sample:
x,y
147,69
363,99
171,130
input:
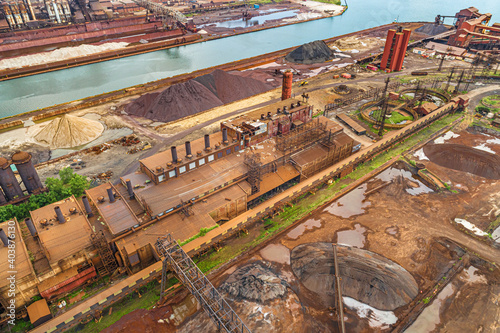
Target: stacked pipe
x,y
188,149
111,195
31,226
86,204
173,149
59,214
130,189
224,136
207,142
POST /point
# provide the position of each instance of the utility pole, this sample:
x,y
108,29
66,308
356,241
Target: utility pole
x,y
384,109
457,88
449,79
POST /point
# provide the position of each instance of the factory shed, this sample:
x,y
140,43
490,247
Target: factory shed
x,y
271,181
446,49
53,234
117,215
351,123
39,312
25,275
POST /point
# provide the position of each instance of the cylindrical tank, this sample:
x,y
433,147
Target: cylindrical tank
x,y
27,171
86,204
188,148
31,226
286,91
8,181
173,149
3,200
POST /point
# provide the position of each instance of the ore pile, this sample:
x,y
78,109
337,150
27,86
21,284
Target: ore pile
x,y
366,276
466,159
432,29
200,94
311,53
254,282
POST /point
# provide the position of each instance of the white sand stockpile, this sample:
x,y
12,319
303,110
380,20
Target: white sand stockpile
x,y
323,7
58,55
69,131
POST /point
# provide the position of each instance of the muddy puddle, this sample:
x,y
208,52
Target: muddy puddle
x,y
413,185
351,204
307,225
355,237
256,20
277,253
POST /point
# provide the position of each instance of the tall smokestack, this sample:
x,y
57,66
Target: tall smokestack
x,y
5,239
86,204
207,142
188,149
224,136
31,226
111,195
8,181
173,149
60,216
286,91
130,189
27,171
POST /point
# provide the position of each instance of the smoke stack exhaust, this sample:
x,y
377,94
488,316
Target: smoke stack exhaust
x,y
86,204
31,226
207,142
173,149
286,91
5,239
130,189
111,195
224,136
60,216
187,144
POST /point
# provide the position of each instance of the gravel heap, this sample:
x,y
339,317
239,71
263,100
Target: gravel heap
x,y
254,282
69,131
311,53
200,94
431,29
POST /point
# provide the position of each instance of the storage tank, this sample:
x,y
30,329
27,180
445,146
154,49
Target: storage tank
x,y
3,200
27,171
8,181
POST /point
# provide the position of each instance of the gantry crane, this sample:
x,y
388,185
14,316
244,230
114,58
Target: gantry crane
x,y
164,12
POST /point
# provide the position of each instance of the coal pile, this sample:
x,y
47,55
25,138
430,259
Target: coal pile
x,y
466,159
255,282
432,29
311,53
200,94
366,276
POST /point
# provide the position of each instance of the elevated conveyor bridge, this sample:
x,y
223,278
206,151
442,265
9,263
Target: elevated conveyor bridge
x,y
197,283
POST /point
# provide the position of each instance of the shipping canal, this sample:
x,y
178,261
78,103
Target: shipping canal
x,y
42,90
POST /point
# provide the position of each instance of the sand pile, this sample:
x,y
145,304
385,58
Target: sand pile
x,y
69,131
431,29
311,53
463,158
188,98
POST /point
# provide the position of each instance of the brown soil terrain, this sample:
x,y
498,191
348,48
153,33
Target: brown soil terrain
x,y
200,94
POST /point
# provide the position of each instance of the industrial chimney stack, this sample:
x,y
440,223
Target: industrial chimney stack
x,y
27,171
286,92
8,181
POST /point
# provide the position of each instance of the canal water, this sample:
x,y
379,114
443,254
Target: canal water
x,y
42,90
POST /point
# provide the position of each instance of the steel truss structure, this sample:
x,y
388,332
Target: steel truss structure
x,y
197,283
162,10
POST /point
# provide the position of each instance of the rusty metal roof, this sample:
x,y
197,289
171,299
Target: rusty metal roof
x,y
274,179
310,154
21,157
61,240
351,122
117,215
22,264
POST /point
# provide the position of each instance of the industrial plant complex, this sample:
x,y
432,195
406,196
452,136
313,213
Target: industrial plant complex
x,y
348,184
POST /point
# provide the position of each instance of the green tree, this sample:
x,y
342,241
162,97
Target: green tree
x,y
66,175
78,184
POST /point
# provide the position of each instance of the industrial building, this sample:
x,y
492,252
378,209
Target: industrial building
x,y
473,32
395,49
202,184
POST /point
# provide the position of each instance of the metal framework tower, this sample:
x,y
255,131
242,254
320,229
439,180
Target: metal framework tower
x,y
381,120
163,11
108,259
254,171
197,283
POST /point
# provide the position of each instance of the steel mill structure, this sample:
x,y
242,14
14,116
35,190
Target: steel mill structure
x,y
395,49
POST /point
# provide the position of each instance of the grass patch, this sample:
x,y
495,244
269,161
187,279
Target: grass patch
x,y
395,117
203,232
335,2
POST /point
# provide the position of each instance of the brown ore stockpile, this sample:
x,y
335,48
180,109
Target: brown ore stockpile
x,y
196,95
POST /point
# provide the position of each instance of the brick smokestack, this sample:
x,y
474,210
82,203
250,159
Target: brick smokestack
x,y
286,91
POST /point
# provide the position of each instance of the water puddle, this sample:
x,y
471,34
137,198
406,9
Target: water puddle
x,y
470,226
413,185
447,136
483,147
277,253
256,20
470,275
355,237
376,318
353,203
307,225
421,155
186,308
429,318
